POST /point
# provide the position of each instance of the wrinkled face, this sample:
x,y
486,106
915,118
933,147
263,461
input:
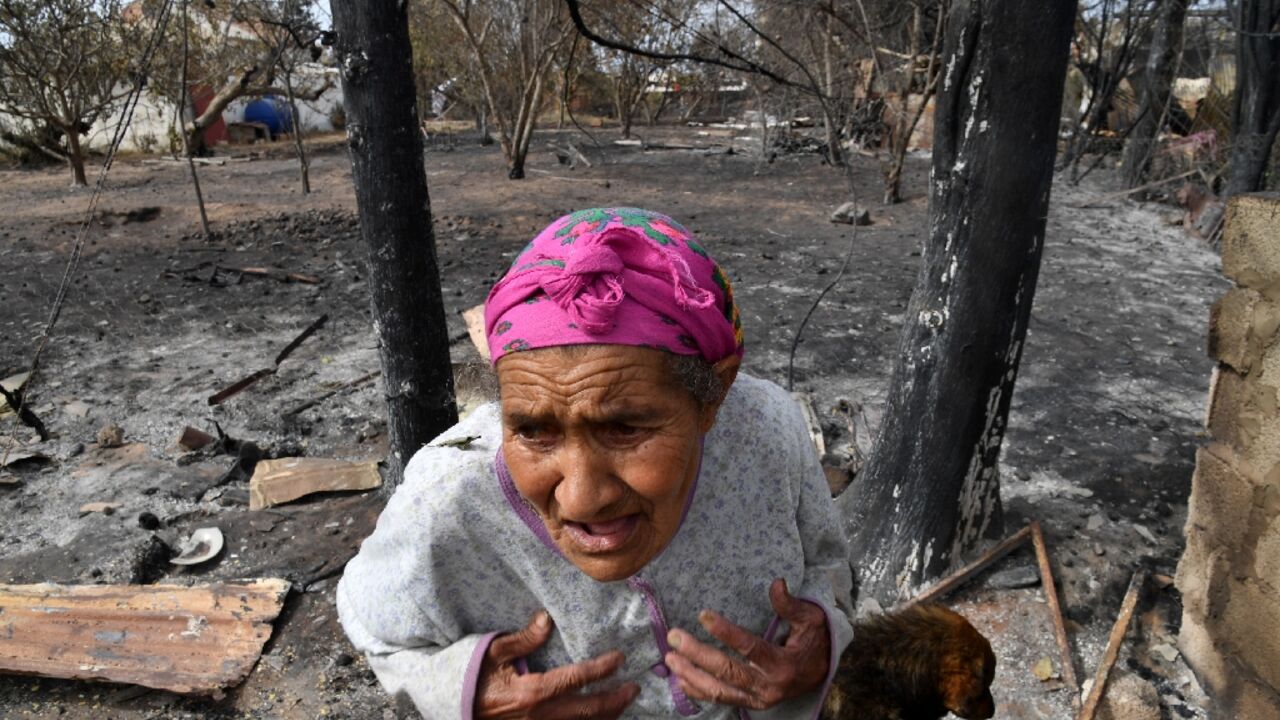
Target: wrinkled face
x,y
605,444
969,668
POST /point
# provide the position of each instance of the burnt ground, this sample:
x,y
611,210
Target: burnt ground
x,y
1100,448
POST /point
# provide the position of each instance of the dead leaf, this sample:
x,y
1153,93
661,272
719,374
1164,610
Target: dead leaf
x,y
106,508
1043,670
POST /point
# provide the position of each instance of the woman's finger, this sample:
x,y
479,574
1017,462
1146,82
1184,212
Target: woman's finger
x,y
568,678
597,706
802,614
785,604
522,642
743,641
731,670
699,684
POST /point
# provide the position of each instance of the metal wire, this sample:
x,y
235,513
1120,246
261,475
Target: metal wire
x,y
77,250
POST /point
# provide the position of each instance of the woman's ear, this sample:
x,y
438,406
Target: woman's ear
x,y
727,371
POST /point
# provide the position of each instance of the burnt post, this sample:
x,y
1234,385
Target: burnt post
x,y
372,44
930,490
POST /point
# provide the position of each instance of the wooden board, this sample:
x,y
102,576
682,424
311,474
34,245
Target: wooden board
x,y
474,318
168,637
279,481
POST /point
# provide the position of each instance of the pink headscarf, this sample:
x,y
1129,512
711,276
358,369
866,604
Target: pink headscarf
x,y
619,276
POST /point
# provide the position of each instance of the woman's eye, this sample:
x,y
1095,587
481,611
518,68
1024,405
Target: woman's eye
x,y
532,432
624,431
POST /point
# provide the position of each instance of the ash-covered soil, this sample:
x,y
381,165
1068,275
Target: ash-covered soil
x,y
1100,446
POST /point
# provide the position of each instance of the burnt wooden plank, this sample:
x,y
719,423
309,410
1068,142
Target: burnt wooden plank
x,y
183,639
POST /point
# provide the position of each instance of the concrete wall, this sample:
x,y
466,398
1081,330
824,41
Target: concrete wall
x,y
1229,575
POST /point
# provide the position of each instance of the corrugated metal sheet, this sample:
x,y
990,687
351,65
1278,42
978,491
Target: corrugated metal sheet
x,y
183,639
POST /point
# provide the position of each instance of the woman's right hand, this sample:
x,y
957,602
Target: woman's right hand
x,y
503,693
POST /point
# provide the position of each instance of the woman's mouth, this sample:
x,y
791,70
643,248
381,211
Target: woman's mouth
x,y
603,536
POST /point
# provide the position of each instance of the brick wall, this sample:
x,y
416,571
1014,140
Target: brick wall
x,y
1230,571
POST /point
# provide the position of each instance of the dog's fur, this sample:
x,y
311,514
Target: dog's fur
x,y
916,664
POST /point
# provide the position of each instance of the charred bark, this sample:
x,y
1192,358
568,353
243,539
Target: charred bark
x,y
930,490
75,157
1162,62
1257,101
395,221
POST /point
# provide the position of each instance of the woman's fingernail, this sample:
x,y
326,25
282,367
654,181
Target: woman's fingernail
x,y
673,639
543,620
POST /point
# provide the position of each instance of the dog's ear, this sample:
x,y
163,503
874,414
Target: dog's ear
x,y
968,667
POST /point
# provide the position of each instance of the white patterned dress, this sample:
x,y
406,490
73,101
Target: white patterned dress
x,y
459,556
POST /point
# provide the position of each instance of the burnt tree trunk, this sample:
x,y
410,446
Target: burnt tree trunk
x,y
1257,102
395,221
75,156
1162,62
930,491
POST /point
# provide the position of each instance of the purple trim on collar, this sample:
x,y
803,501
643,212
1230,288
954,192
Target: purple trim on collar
x,y
521,506
658,624
471,678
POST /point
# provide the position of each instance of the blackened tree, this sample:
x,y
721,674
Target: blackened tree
x,y
1256,117
380,100
930,490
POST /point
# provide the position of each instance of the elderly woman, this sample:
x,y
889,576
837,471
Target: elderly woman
x,y
635,530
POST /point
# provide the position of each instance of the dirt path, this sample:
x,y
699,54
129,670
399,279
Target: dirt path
x,y
1100,443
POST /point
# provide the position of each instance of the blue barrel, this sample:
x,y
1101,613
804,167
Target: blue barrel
x,y
270,111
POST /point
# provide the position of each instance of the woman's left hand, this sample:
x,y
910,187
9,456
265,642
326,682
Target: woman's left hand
x,y
762,674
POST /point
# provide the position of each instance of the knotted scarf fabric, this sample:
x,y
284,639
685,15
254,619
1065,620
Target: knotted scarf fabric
x,y
619,276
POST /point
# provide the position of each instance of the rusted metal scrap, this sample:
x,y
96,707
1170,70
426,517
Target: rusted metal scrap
x,y
193,640
235,388
1055,613
1033,533
1112,652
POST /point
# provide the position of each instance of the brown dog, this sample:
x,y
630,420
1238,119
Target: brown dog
x,y
915,664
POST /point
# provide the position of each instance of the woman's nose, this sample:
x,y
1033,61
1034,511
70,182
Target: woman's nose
x,y
587,485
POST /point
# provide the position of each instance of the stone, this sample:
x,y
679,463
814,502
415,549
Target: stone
x,y
1095,521
110,436
1221,496
1145,533
148,521
1243,413
1013,578
1165,652
850,214
1230,327
1250,253
1248,629
1129,697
